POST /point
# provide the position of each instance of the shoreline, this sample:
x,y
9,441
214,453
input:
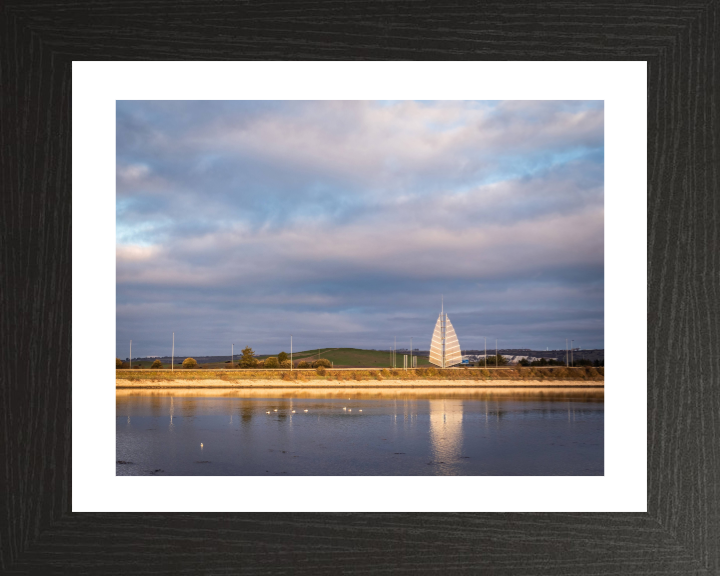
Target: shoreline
x,y
122,384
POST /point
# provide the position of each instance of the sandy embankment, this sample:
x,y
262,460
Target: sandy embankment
x,y
267,384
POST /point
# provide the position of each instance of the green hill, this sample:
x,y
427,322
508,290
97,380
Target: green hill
x,y
356,358
340,357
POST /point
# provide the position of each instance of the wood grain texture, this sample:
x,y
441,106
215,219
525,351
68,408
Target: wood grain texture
x,y
681,531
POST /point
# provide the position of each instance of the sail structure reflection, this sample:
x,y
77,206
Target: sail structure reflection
x,y
446,436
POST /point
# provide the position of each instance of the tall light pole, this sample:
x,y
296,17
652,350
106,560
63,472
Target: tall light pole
x,y
572,360
567,363
411,352
172,358
232,355
291,364
130,353
496,354
485,351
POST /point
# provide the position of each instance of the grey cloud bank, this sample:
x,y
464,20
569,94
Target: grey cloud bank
x,y
342,223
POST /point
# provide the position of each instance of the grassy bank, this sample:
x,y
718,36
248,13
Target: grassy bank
x,y
421,374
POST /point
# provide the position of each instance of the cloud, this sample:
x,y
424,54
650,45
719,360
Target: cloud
x,y
328,218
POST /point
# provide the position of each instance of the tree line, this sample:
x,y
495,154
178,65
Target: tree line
x,y
494,361
247,361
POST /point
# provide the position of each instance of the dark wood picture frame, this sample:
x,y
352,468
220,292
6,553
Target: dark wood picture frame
x,y
680,533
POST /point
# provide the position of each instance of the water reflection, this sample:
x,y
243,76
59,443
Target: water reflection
x,y
446,418
368,432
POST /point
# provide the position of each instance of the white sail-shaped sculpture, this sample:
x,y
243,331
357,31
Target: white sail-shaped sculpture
x,y
453,355
444,348
436,346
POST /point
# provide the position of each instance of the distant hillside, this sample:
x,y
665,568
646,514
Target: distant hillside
x,y
360,358
340,357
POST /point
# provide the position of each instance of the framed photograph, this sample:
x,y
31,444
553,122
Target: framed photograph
x,y
279,224
276,223
325,253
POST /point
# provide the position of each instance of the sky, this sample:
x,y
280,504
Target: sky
x,y
343,223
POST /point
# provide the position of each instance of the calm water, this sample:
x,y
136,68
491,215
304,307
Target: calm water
x,y
390,432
